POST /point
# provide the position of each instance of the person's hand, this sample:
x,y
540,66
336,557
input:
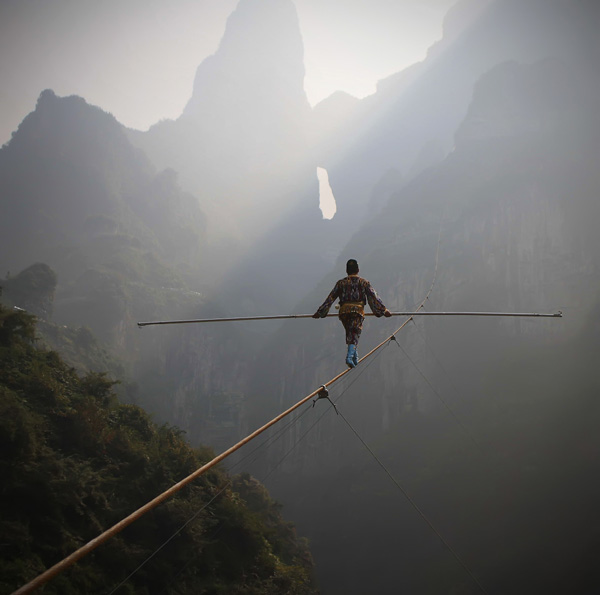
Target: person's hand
x,y
387,313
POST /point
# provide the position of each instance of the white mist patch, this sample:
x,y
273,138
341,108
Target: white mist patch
x,y
326,198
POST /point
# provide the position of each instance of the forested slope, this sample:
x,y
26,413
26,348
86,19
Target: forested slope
x,y
74,461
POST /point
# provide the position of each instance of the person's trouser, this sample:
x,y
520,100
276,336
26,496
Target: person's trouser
x,y
353,326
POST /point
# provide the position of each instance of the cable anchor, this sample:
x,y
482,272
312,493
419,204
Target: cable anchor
x,y
324,394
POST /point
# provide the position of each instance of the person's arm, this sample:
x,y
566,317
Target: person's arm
x,y
324,307
375,303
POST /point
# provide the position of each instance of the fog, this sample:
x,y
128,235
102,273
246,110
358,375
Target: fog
x,y
458,164
137,59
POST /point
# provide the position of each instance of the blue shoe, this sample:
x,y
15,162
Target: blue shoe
x,y
352,357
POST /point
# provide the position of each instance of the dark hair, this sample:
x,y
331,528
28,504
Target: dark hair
x,y
352,267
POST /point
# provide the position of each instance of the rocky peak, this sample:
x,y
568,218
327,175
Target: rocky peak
x,y
260,61
461,16
71,130
70,177
242,139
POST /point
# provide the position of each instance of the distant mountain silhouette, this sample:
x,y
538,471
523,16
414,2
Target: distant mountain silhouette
x,y
240,143
121,238
71,179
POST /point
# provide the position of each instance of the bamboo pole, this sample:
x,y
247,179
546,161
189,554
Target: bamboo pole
x,y
118,527
420,313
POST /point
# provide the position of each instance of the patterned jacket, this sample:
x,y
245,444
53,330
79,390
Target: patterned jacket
x,y
353,289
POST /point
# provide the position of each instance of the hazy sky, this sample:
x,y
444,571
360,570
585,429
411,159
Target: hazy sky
x,y
137,58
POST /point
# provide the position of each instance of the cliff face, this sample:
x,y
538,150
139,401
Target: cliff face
x,y
425,104
506,202
509,204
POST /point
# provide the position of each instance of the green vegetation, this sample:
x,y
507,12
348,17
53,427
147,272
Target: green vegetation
x,y
74,461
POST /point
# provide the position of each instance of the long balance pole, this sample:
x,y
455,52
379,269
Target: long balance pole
x,y
420,313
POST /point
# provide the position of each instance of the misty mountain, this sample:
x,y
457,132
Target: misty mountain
x,y
119,241
242,147
488,150
416,112
510,202
70,178
241,140
77,196
247,144
515,203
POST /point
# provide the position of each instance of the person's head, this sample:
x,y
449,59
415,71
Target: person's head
x,y
352,267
